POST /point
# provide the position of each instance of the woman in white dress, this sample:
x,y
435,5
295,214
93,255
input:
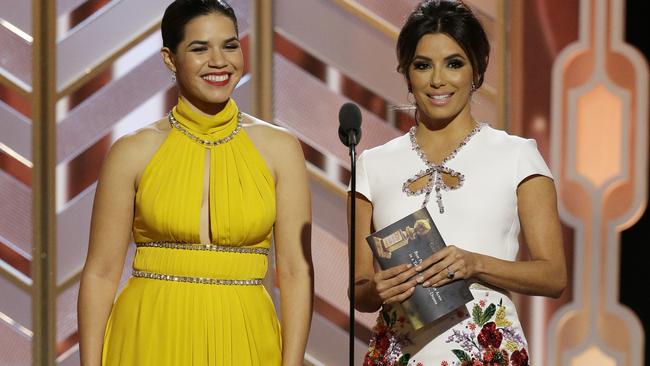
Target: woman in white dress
x,y
480,185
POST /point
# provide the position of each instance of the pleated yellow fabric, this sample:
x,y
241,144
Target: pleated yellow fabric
x,y
161,322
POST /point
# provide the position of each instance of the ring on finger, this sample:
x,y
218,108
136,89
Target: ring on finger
x,y
450,273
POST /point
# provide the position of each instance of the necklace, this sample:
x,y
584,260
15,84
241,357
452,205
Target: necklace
x,y
435,171
177,125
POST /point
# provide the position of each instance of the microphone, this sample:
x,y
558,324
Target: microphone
x,y
350,135
350,124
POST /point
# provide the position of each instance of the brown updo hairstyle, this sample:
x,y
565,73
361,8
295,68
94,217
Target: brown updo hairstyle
x,y
452,18
181,12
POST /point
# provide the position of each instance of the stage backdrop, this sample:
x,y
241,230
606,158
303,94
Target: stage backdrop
x,y
75,75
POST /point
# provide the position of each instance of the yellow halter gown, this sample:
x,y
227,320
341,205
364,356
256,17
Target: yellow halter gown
x,y
190,302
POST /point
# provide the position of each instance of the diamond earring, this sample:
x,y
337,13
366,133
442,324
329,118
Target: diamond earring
x,y
410,98
173,76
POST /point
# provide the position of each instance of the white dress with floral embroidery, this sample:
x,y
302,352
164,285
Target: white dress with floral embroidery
x,y
481,216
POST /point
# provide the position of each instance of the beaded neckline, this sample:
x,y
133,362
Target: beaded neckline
x,y
435,171
177,125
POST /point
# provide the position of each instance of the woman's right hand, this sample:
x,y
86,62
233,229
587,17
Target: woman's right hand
x,y
395,284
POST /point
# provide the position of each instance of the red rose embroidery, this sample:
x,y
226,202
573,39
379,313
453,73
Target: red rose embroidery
x,y
519,358
382,344
490,336
488,355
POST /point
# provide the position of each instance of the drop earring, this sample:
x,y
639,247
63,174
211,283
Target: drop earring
x,y
173,76
410,98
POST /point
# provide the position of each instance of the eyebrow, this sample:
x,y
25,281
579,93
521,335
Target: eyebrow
x,y
234,38
205,43
197,42
455,55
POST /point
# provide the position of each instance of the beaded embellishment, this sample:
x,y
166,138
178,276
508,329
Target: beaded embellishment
x,y
435,181
209,247
177,125
202,280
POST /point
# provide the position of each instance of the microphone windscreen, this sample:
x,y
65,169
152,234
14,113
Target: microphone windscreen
x,y
349,124
350,117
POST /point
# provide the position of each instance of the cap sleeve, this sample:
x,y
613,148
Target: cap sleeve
x,y
530,162
363,184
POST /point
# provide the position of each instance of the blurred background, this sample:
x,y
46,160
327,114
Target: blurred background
x,y
75,75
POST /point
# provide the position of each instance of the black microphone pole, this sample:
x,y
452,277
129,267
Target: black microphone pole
x,y
350,134
353,225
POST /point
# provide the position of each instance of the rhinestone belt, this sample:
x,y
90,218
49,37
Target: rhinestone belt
x,y
210,247
203,280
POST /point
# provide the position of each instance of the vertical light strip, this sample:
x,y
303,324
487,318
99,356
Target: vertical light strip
x,y
43,202
262,59
261,66
502,65
514,63
537,346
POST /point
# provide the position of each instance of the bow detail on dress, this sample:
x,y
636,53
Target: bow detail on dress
x,y
435,171
434,183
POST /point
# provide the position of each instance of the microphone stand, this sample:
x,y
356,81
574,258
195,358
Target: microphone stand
x,y
352,143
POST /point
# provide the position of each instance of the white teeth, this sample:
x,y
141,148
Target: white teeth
x,y
441,97
216,78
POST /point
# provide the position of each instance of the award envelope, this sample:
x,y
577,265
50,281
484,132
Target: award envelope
x,y
411,240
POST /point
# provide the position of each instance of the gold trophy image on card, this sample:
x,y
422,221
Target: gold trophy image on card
x,y
399,238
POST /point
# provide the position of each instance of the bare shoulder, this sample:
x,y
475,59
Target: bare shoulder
x,y
272,135
275,143
138,143
131,152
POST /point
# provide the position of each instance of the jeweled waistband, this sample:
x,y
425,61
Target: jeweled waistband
x,y
202,280
209,247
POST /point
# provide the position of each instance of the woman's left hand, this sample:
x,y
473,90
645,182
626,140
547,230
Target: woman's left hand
x,y
446,265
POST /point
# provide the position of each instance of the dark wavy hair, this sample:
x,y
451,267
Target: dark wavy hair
x,y
181,12
452,18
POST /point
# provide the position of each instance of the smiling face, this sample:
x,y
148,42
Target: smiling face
x,y
440,76
208,62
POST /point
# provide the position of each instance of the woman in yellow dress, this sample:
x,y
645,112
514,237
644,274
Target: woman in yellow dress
x,y
203,192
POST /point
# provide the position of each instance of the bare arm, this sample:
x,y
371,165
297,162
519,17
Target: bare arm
x,y
374,288
544,274
293,249
110,230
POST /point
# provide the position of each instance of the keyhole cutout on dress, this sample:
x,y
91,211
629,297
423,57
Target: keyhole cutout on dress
x,y
204,226
450,181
